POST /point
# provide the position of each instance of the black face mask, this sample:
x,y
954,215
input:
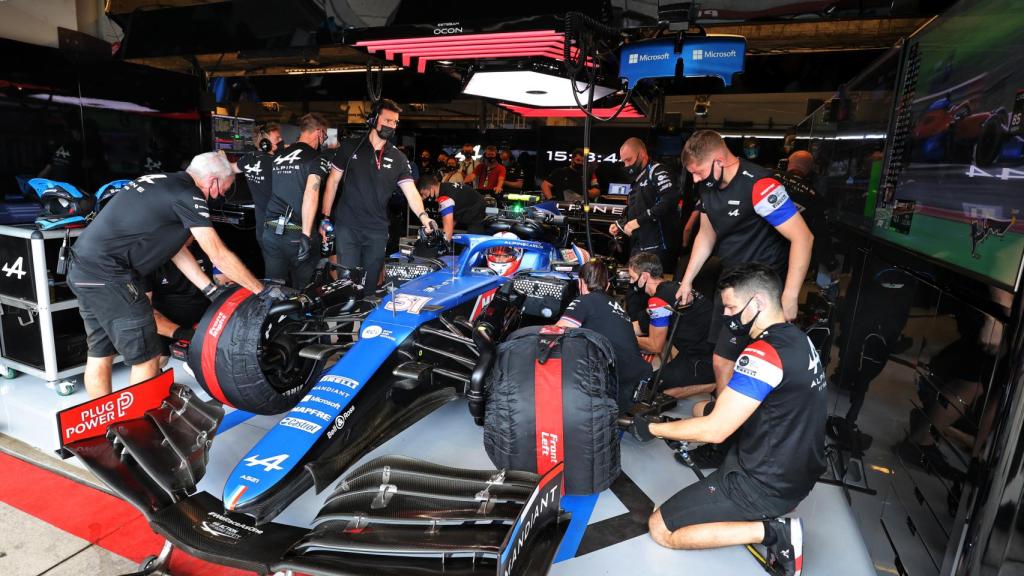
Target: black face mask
x,y
386,132
449,168
491,159
712,182
634,169
736,326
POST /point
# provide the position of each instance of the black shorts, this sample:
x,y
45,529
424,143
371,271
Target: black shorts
x,y
725,495
727,344
118,319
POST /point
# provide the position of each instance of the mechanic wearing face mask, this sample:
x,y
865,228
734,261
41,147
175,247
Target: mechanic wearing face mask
x,y
563,184
513,171
746,216
142,227
288,252
652,213
371,168
256,167
489,176
651,308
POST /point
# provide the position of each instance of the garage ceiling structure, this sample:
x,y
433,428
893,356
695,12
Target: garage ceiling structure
x,y
305,50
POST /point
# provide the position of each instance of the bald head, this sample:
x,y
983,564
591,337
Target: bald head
x,y
801,162
633,154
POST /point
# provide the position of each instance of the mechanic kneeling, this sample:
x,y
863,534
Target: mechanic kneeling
x,y
144,226
651,307
777,402
595,310
459,206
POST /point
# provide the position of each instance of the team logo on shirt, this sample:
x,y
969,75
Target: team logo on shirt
x,y
291,158
152,164
62,153
253,169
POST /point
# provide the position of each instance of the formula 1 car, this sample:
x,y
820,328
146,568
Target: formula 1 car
x,y
429,340
948,132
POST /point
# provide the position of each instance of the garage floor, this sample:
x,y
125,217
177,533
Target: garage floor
x,y
604,537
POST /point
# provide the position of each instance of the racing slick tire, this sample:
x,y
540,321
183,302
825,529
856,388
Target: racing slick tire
x,y
250,361
986,150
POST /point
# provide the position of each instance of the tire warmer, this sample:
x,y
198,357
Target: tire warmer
x,y
210,339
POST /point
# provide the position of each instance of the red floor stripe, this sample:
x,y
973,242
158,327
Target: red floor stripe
x,y
100,518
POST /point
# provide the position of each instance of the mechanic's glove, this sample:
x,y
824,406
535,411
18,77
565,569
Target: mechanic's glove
x,y
430,226
274,292
641,428
304,243
183,333
213,291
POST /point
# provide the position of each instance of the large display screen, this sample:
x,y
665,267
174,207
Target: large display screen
x,y
956,170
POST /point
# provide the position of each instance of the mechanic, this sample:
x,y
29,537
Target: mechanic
x,y
800,187
489,176
450,173
746,216
459,206
371,168
288,254
563,184
776,402
142,227
595,310
256,167
652,309
513,171
178,304
652,211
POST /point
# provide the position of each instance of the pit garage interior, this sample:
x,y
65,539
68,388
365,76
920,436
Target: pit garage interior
x,y
912,111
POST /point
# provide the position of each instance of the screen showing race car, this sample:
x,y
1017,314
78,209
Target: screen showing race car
x,y
952,187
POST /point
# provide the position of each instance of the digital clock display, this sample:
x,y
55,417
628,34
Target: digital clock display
x,y
566,155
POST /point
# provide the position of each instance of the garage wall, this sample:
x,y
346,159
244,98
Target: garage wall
x,y
36,21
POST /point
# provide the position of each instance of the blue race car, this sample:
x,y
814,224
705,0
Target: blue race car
x,y
429,340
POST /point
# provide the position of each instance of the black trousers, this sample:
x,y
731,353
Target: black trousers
x,y
281,258
364,249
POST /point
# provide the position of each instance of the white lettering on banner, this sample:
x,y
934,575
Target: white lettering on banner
x,y
18,268
653,57
549,446
343,380
331,390
99,416
320,414
217,325
524,532
440,31
319,400
300,424
339,422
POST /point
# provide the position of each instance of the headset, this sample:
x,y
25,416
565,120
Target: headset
x,y
371,118
262,141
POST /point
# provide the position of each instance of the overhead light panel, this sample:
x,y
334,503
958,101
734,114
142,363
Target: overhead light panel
x,y
628,111
338,70
530,88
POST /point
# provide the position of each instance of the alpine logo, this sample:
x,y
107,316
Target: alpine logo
x,y
151,178
151,164
16,270
291,158
734,213
253,168
62,153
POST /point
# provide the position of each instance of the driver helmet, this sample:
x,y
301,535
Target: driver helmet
x,y
63,200
504,260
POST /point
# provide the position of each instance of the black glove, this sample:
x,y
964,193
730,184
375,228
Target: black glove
x,y
641,428
183,333
275,292
303,247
